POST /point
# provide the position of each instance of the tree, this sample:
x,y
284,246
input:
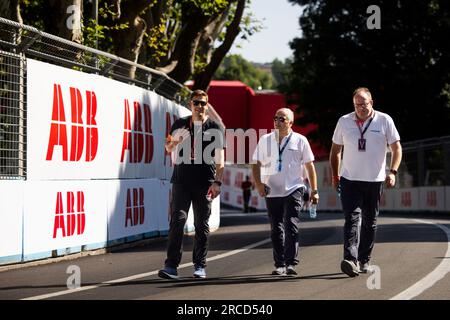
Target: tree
x,y
235,67
405,64
183,38
282,72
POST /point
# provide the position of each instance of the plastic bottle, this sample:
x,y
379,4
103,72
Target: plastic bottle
x,y
313,211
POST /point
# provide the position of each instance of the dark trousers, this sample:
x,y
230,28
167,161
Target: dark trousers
x,y
182,196
246,195
284,223
360,203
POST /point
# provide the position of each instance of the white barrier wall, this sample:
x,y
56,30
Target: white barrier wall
x,y
97,169
407,199
11,220
63,215
133,208
432,198
231,188
84,126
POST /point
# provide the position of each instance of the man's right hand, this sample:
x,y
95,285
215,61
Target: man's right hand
x,y
261,190
178,137
335,182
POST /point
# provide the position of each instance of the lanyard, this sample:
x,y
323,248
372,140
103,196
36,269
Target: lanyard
x,y
280,151
365,129
193,136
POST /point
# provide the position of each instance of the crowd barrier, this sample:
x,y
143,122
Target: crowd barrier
x,y
97,171
429,199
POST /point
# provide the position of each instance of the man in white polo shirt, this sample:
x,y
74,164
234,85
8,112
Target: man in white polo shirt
x,y
365,135
280,157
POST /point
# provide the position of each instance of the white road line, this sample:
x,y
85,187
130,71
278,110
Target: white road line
x,y
142,275
434,276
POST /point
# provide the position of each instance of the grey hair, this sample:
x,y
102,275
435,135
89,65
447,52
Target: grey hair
x,y
289,113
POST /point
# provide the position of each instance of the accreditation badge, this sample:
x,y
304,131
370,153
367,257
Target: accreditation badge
x,y
361,144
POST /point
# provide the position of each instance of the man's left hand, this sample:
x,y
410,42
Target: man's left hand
x,y
390,180
214,190
315,198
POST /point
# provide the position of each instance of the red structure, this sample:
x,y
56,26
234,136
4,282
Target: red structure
x,y
240,107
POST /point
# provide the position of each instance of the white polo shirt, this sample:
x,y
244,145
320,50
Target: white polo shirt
x,y
369,165
296,153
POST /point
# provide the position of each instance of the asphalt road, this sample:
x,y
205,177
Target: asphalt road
x,y
411,258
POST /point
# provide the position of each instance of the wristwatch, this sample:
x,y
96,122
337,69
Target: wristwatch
x,y
219,183
393,171
314,192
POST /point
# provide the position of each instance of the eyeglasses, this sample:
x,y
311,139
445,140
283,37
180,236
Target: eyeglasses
x,y
199,102
281,119
361,105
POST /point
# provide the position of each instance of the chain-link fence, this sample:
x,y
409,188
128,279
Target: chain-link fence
x,y
425,163
17,42
12,116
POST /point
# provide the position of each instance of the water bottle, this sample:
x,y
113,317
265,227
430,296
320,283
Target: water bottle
x,y
313,211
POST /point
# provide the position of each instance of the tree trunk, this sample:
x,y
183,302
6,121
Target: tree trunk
x,y
183,57
202,80
65,22
128,42
210,35
10,9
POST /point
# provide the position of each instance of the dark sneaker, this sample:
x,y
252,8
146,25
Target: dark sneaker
x,y
350,268
280,271
364,267
168,273
199,272
291,271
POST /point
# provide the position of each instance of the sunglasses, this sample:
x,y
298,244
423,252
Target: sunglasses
x,y
199,102
281,119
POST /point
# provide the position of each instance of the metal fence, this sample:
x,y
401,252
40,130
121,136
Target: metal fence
x,y
17,42
425,163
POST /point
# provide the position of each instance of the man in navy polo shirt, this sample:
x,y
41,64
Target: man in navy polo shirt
x,y
365,135
198,144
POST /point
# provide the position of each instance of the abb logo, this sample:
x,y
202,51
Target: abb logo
x,y
226,177
406,199
331,200
169,123
326,180
238,180
73,218
138,137
239,199
135,210
58,126
431,198
383,200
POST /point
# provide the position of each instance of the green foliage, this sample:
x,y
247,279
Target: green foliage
x,y
208,7
405,64
282,72
235,67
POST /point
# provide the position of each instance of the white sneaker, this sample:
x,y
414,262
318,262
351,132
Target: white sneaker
x,y
280,271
